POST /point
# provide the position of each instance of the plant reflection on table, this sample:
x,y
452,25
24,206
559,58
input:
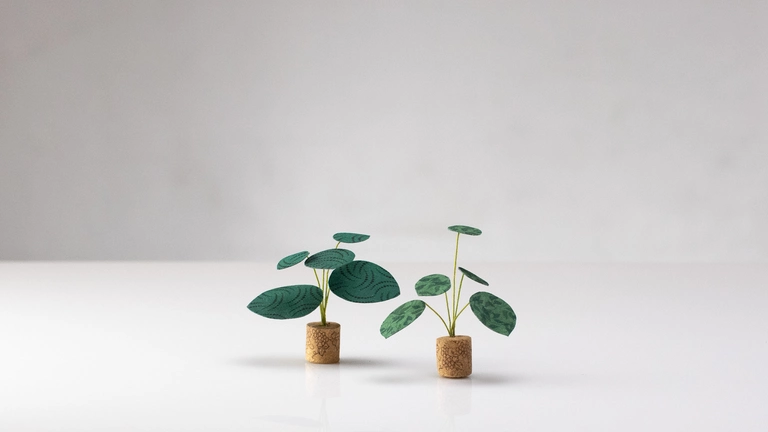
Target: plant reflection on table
x,y
454,398
321,382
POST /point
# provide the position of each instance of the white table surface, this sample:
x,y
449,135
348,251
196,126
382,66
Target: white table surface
x,y
172,347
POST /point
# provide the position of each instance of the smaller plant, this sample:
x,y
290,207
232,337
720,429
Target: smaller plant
x,y
492,311
340,273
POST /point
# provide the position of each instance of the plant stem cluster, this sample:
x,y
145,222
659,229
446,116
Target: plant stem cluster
x,y
452,308
323,285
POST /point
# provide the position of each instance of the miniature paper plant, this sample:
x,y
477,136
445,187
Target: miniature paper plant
x,y
339,273
492,311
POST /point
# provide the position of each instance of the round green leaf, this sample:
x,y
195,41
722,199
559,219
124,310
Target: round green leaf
x,y
401,317
473,276
432,285
330,259
463,229
287,302
292,260
363,282
350,237
493,312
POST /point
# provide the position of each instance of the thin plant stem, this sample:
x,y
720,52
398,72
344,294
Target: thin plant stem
x,y
447,308
453,291
462,309
324,302
327,288
441,318
325,285
458,297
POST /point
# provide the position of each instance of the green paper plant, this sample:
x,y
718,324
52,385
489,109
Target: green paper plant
x,y
492,311
353,280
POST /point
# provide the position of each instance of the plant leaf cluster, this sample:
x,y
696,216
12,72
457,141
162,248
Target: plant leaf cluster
x,y
491,310
353,280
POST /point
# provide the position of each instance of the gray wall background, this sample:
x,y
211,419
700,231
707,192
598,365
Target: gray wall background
x,y
568,131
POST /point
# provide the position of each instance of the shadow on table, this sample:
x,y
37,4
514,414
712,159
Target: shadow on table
x,y
389,371
480,379
294,362
493,379
270,362
366,363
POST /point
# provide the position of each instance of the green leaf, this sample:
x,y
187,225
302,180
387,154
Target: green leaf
x,y
292,260
330,259
432,285
345,237
493,312
473,276
363,282
287,302
463,229
402,317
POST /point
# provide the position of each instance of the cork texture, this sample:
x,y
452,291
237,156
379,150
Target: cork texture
x,y
454,356
323,342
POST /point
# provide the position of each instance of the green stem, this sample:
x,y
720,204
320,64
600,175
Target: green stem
x,y
441,318
325,296
447,307
458,299
453,285
327,288
462,310
456,318
322,301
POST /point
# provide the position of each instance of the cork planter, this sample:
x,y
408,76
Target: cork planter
x,y
454,356
323,342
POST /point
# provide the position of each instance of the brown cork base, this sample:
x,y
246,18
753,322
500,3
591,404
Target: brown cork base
x,y
454,356
323,343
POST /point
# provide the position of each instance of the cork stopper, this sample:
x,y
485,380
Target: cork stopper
x,y
323,342
454,356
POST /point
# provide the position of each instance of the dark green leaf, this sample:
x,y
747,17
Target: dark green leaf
x,y
432,285
350,237
473,276
363,282
292,260
463,229
287,302
402,317
493,312
330,259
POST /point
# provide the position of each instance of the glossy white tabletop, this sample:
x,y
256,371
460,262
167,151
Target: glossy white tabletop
x,y
172,347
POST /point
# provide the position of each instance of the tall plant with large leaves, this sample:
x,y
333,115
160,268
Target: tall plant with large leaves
x,y
339,273
492,311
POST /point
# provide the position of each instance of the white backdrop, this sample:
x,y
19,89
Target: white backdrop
x,y
568,131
